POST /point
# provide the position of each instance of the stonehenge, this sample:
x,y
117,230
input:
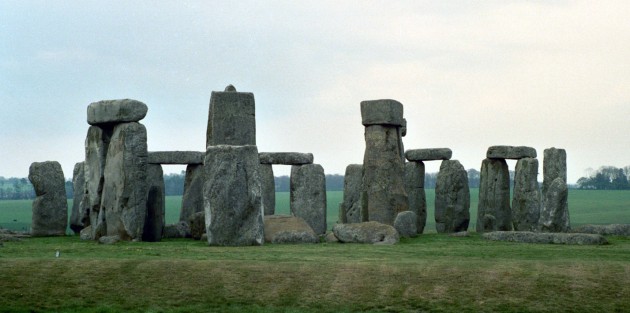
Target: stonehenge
x,y
78,215
308,195
285,158
350,208
231,118
494,212
176,157
452,198
554,215
50,207
526,201
414,185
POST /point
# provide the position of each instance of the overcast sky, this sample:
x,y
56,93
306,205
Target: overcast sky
x,y
470,74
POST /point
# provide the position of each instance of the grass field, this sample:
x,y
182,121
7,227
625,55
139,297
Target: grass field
x,y
585,207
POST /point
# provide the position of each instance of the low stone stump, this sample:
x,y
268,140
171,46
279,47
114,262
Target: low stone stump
x,y
510,152
177,230
419,155
366,232
175,157
285,158
604,230
405,224
281,229
116,111
197,223
50,207
546,238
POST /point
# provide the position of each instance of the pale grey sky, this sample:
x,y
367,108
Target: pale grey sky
x,y
470,74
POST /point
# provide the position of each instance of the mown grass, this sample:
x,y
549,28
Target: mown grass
x,y
431,273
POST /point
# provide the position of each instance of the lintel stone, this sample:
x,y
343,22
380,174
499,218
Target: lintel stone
x,y
510,152
418,155
116,111
285,158
382,112
176,157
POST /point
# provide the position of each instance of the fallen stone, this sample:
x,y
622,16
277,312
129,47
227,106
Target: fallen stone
x,y
197,223
405,224
419,155
231,119
330,237
192,199
452,198
108,240
493,211
382,112
116,111
546,238
460,234
268,187
86,233
79,216
604,230
232,196
285,158
414,185
96,146
526,200
350,208
156,204
308,195
510,152
175,157
366,232
281,229
554,215
177,230
50,207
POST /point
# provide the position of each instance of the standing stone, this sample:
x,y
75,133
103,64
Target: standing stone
x,y
383,195
231,118
78,215
155,220
554,216
50,207
232,196
308,195
96,145
414,185
192,200
452,198
351,206
527,201
494,212
268,185
116,111
197,223
124,196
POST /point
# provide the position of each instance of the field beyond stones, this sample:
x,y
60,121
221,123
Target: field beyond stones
x,y
431,273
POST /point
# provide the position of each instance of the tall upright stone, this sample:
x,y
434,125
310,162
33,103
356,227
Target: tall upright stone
x,y
192,199
527,200
383,190
494,212
231,118
156,203
308,195
268,184
350,208
554,166
232,196
124,198
96,146
50,207
452,198
79,215
414,184
554,215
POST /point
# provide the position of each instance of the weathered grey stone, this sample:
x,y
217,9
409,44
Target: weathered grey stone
x,y
382,112
554,216
156,204
124,198
116,111
414,185
79,215
86,233
547,238
231,119
493,211
96,146
452,198
366,232
405,224
510,152
50,207
554,166
286,158
268,186
460,234
308,195
350,208
192,200
383,189
176,157
109,240
180,229
527,201
197,223
604,230
330,237
232,196
288,229
418,155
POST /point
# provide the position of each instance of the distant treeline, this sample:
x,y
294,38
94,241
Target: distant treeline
x,y
21,188
606,178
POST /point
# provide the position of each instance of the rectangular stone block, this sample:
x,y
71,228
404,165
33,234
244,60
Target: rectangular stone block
x,y
308,195
526,201
231,119
50,207
192,199
232,196
493,210
286,158
116,111
510,152
382,112
419,155
414,185
176,157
